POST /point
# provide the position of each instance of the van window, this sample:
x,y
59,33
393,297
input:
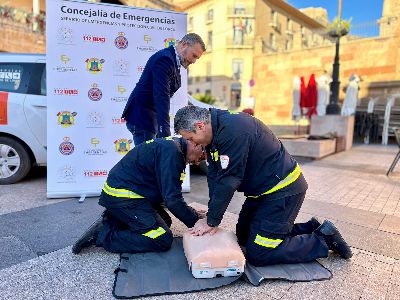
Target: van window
x,y
23,78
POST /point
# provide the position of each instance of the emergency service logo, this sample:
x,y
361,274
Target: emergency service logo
x,y
95,94
94,65
66,118
121,67
90,38
66,174
95,119
121,42
95,150
66,147
95,173
121,90
65,67
65,36
147,38
65,92
147,47
118,121
122,146
169,42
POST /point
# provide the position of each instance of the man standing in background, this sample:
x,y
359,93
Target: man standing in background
x,y
147,110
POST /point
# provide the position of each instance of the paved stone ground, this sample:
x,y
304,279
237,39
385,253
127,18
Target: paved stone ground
x,y
349,188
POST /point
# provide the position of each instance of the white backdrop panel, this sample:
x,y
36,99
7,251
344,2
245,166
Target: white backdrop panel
x,y
95,55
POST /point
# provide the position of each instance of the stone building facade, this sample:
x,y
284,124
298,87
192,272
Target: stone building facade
x,y
376,60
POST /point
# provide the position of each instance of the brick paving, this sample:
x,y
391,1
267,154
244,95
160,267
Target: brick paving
x,y
349,188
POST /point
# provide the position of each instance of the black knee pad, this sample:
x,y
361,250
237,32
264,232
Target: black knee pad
x,y
164,242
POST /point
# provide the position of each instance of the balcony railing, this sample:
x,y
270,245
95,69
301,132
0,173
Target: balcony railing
x,y
240,11
240,42
21,20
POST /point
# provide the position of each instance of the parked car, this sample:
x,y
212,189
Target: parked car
x,y
22,115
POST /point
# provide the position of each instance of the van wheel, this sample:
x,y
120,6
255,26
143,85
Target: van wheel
x,y
15,162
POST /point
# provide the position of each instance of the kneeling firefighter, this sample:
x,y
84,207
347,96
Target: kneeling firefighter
x,y
138,186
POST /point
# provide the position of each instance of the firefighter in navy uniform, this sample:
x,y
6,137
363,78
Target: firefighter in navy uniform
x,y
146,177
244,155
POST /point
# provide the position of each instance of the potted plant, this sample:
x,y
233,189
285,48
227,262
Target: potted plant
x,y
336,30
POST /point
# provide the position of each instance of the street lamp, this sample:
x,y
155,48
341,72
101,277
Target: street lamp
x,y
333,107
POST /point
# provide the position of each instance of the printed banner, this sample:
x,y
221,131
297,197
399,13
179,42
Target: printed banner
x,y
95,55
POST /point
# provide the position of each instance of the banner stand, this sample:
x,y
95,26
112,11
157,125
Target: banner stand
x,y
96,53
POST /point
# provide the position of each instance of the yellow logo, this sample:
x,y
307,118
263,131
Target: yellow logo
x,y
94,141
66,118
121,89
65,59
169,42
94,65
147,38
122,146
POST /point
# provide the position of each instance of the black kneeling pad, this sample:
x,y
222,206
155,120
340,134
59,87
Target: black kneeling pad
x,y
291,272
156,273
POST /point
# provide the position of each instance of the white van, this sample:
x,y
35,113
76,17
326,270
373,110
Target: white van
x,y
22,114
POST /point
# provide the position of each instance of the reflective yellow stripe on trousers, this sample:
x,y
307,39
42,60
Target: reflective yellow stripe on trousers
x,y
266,242
120,193
155,233
283,183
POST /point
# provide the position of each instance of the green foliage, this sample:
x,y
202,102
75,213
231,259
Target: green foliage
x,y
335,29
205,98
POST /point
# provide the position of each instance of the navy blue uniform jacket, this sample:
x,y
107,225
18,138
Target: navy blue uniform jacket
x,y
149,103
153,171
250,159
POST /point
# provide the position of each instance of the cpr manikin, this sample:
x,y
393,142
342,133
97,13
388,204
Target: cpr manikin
x,y
215,255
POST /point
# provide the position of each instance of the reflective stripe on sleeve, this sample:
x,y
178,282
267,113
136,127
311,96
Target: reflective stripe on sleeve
x,y
155,233
266,242
120,193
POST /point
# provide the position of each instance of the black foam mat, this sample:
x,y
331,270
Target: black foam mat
x,y
157,273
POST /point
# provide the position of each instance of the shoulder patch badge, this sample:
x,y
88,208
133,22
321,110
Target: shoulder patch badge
x,y
224,161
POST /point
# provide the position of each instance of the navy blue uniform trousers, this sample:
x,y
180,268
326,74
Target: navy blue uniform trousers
x,y
124,228
274,220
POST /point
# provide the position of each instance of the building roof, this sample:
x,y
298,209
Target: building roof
x,y
156,2
283,5
296,13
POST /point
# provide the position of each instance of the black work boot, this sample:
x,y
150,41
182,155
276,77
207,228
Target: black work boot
x,y
88,238
314,223
334,239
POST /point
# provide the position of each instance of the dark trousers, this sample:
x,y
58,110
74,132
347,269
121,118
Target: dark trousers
x,y
282,241
135,229
140,135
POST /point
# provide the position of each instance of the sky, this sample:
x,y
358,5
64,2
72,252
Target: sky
x,y
361,11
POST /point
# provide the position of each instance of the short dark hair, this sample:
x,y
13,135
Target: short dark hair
x,y
187,116
192,39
